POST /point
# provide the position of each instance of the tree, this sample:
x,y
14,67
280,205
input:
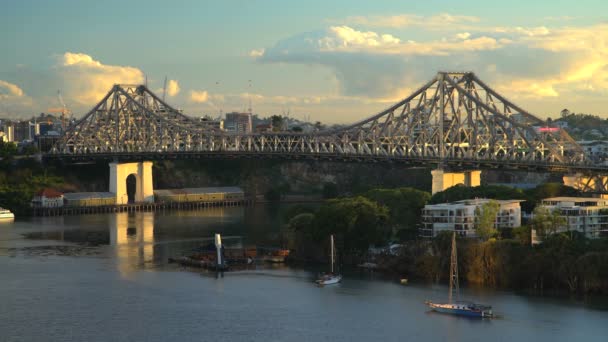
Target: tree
x,y
319,126
405,207
277,122
546,190
547,221
29,150
485,219
330,190
523,235
302,222
461,192
358,221
7,149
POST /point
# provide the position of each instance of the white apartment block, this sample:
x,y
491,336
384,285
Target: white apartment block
x,y
460,216
583,214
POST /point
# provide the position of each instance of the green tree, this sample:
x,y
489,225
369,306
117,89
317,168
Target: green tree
x,y
485,219
29,150
545,221
523,235
302,222
405,207
277,122
330,190
358,221
7,149
461,192
546,190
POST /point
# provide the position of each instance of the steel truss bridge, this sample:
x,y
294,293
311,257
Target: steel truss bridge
x,y
454,121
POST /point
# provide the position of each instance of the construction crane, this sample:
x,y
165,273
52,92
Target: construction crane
x,y
66,114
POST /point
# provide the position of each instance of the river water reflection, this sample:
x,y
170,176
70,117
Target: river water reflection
x,y
106,277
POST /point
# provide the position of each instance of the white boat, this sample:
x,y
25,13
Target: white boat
x,y
331,277
6,214
461,308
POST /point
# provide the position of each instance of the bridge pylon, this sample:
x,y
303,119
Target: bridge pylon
x,y
443,180
144,190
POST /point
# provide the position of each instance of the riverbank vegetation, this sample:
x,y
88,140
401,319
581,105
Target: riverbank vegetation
x,y
499,259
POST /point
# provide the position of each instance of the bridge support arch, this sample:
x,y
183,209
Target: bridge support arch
x,y
144,191
443,180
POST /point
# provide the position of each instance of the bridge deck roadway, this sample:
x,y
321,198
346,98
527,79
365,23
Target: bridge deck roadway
x,y
451,164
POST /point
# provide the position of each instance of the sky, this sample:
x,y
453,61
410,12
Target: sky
x,y
333,61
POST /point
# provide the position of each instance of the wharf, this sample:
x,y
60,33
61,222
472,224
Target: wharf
x,y
134,207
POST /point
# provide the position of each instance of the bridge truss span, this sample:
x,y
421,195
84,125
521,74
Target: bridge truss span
x,y
454,119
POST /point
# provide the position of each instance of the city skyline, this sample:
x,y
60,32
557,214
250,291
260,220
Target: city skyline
x,y
334,63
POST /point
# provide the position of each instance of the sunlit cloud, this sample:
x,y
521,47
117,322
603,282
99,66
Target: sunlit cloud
x,y
524,62
434,22
13,99
256,53
8,89
199,96
86,80
172,88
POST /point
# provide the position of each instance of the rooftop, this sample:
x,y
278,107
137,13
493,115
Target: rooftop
x,y
87,195
575,199
475,201
49,193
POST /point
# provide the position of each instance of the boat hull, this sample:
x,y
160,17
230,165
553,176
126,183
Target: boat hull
x,y
330,280
460,310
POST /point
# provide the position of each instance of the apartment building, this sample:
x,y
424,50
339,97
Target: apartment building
x,y
587,215
460,216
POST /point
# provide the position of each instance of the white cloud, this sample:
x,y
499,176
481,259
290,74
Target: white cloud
x,y
9,90
256,53
199,96
434,22
172,88
527,62
463,35
86,80
13,100
369,64
348,39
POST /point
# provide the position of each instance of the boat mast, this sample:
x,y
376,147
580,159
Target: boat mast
x,y
453,270
331,237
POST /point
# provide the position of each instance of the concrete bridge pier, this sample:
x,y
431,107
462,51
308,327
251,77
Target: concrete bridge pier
x,y
443,180
144,191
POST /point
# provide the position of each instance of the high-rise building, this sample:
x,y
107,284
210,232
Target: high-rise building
x,y
238,122
23,131
210,123
8,129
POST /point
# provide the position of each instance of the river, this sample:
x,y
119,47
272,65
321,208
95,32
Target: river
x,y
107,278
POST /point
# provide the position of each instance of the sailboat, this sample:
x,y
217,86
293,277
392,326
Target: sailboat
x,y
331,277
462,308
